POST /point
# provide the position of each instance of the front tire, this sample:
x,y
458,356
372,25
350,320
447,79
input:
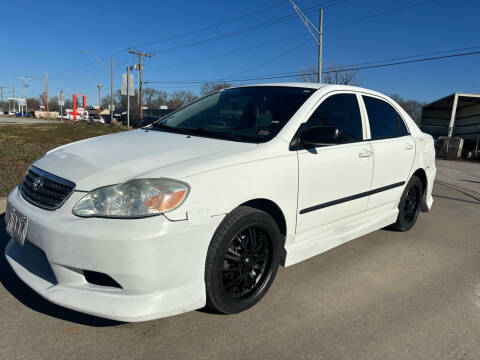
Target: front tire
x,y
409,206
242,260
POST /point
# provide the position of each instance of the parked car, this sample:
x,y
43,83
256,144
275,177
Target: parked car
x,y
96,119
203,206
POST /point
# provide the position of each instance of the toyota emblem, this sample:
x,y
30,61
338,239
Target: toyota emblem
x,y
37,183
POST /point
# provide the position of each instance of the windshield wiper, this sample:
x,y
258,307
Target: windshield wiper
x,y
203,132
174,129
216,134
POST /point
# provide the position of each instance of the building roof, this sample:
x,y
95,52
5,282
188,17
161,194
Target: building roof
x,y
465,99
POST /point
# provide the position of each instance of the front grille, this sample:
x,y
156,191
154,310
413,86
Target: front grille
x,y
49,192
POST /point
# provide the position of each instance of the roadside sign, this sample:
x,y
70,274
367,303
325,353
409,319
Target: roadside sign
x,y
131,84
61,103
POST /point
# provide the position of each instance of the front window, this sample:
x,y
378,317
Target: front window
x,y
249,114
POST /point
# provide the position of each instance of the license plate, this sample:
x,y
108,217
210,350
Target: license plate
x,y
17,224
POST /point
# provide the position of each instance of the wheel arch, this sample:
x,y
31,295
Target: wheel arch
x,y
422,175
270,208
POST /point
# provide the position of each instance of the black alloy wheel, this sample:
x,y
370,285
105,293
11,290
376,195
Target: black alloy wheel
x,y
242,260
246,262
412,203
409,206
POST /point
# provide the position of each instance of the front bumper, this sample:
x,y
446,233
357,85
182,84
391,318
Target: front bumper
x,y
158,263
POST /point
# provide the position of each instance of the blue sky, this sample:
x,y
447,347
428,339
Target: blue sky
x,y
43,37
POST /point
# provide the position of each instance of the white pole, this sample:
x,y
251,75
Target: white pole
x,y
128,96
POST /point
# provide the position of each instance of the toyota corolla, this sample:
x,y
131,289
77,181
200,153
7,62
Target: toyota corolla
x,y
201,207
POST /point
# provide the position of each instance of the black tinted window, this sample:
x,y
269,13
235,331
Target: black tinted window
x,y
384,120
341,111
254,113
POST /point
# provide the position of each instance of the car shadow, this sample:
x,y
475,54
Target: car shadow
x,y
29,298
455,199
470,181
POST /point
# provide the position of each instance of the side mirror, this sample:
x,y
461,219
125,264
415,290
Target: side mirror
x,y
320,135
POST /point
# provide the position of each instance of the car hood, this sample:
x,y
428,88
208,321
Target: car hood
x,y
113,159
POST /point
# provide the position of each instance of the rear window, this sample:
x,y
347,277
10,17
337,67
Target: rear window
x,y
385,122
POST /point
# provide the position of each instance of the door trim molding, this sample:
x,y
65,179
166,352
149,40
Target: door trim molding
x,y
351,197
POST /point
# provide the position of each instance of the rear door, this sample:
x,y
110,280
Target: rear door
x,y
393,151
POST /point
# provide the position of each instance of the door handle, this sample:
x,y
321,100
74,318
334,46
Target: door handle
x,y
365,153
408,146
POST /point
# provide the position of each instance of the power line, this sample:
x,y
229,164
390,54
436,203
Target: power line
x,y
274,21
279,20
181,35
230,52
308,23
347,67
386,12
406,62
288,75
273,58
252,28
209,27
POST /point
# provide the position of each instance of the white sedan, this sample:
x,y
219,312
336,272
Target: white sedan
x,y
202,207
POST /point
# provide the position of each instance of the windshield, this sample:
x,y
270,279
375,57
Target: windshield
x,y
250,114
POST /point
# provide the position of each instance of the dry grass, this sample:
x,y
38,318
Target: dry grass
x,y
20,145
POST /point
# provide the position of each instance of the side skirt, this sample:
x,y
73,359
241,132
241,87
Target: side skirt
x,y
333,237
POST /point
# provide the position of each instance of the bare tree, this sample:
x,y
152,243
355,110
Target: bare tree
x,y
341,76
53,104
154,98
308,75
412,107
210,87
179,98
337,75
33,104
148,96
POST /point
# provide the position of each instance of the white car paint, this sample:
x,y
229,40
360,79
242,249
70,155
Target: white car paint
x,y
159,261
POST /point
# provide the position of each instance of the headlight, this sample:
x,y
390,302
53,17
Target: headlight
x,y
134,199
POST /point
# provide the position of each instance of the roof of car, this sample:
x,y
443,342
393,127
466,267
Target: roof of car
x,y
311,86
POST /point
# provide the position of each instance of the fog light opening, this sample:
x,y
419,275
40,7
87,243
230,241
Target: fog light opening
x,y
100,279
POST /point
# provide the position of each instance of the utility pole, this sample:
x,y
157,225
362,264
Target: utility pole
x,y
46,95
111,91
320,33
25,86
140,77
99,86
14,101
128,96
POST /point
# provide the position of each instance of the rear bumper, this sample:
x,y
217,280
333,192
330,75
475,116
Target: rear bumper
x,y
427,202
158,263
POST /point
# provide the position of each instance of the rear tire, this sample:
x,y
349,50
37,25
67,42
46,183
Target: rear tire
x,y
242,260
409,206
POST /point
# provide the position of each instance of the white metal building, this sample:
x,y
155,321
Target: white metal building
x,y
456,115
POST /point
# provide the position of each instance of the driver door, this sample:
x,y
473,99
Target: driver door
x,y
334,180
